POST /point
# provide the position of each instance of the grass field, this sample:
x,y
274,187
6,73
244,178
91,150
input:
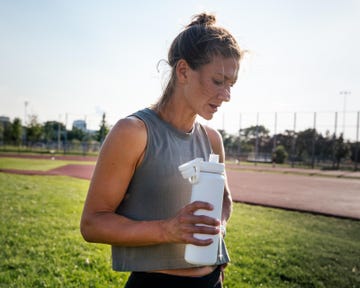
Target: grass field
x,y
41,245
40,238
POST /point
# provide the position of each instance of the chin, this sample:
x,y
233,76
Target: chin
x,y
207,116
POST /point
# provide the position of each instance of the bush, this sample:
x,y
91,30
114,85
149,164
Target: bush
x,y
280,154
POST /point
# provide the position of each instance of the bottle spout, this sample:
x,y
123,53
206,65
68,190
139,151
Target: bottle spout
x,y
214,158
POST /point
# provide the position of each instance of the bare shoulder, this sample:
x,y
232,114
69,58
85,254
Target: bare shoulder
x,y
130,129
216,141
127,139
214,135
131,126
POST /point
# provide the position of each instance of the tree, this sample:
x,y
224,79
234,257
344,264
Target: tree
x,y
51,130
76,134
34,130
258,137
104,129
324,146
355,152
280,154
16,131
304,143
7,132
255,131
231,143
342,150
2,133
287,139
2,129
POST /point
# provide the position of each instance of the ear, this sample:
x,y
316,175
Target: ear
x,y
182,71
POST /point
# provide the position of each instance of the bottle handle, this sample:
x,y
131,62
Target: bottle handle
x,y
195,178
191,170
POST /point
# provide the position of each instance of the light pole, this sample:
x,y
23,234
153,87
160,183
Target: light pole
x,y
26,103
239,148
344,93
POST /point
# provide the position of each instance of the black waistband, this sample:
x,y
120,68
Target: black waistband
x,y
159,280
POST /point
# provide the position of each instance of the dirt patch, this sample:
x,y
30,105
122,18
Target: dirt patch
x,y
81,171
50,156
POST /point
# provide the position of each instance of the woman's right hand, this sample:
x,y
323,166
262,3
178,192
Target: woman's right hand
x,y
182,227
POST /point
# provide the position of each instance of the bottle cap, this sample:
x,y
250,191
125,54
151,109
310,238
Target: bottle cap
x,y
213,166
191,170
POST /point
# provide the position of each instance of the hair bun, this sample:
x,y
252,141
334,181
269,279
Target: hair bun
x,y
203,19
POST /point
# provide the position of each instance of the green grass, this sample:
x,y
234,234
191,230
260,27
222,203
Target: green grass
x,y
36,164
41,245
278,248
40,242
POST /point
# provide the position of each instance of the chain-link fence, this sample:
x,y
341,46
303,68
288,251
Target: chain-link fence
x,y
306,138
326,139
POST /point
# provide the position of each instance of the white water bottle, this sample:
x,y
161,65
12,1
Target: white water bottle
x,y
207,179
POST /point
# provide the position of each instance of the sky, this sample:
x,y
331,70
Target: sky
x,y
65,60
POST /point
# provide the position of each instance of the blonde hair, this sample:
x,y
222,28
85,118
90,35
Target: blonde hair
x,y
198,44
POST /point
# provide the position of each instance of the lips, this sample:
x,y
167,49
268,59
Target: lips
x,y
214,107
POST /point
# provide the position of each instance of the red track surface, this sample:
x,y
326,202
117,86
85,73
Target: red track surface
x,y
322,195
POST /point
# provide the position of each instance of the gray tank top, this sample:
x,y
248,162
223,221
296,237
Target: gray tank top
x,y
157,191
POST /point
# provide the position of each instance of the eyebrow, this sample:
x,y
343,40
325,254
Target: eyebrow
x,y
226,77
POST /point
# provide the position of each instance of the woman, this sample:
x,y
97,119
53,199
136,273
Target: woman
x,y
138,201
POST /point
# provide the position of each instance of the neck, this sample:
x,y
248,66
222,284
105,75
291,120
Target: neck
x,y
177,117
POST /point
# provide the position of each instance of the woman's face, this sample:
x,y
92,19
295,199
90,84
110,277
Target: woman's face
x,y
210,85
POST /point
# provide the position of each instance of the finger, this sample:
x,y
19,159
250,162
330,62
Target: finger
x,y
196,205
198,242
203,219
202,229
190,230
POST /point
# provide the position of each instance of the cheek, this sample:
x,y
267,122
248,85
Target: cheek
x,y
208,89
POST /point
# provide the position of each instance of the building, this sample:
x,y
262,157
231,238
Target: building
x,y
4,120
79,124
4,123
5,127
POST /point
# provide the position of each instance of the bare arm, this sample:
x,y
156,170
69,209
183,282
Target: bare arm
x,y
121,153
218,148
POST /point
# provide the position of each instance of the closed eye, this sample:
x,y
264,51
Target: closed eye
x,y
218,82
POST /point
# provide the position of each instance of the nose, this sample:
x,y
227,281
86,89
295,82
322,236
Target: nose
x,y
225,94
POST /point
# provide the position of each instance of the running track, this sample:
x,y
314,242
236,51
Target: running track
x,y
333,196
